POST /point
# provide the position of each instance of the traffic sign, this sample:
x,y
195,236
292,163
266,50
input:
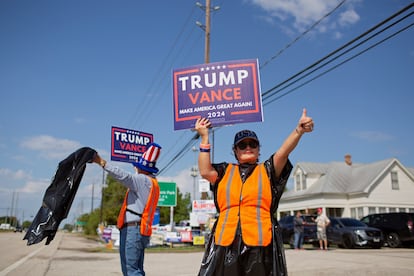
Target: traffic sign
x,y
168,194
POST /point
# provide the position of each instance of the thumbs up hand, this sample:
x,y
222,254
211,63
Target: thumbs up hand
x,y
305,123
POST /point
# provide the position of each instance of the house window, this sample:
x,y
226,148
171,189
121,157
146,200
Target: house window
x,y
382,210
371,210
298,182
303,182
394,181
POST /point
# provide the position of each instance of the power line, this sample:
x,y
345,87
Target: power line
x,y
181,153
146,107
302,34
341,63
267,95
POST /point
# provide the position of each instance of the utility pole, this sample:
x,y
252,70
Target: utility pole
x,y
102,197
206,28
207,34
207,8
93,185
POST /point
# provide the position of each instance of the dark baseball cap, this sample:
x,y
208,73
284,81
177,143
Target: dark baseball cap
x,y
245,134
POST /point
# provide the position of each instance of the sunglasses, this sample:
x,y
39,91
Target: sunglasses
x,y
252,144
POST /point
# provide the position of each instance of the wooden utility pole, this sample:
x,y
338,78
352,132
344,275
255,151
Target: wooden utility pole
x,y
207,60
207,33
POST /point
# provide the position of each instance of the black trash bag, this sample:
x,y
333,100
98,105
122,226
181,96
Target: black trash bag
x,y
279,259
208,263
59,196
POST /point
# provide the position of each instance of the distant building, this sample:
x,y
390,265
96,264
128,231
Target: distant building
x,y
346,189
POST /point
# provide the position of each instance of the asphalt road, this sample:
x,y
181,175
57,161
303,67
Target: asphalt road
x,y
70,254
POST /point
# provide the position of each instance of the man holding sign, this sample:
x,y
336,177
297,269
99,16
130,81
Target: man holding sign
x,y
137,212
246,239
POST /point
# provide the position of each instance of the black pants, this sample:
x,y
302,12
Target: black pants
x,y
241,260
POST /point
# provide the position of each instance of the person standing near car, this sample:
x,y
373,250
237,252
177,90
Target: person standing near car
x,y
322,221
298,230
138,209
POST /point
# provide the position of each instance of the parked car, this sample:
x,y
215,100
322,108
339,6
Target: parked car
x,y
288,235
397,228
18,229
352,233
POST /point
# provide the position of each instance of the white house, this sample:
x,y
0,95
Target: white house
x,y
345,189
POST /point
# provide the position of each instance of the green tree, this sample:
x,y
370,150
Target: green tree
x,y
113,197
26,224
183,208
68,227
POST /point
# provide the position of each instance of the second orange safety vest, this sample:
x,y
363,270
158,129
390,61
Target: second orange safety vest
x,y
249,203
149,210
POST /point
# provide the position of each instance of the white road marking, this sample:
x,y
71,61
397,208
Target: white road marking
x,y
5,271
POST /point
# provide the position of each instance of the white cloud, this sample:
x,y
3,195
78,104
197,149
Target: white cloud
x,y
306,12
15,175
35,186
51,147
22,181
348,17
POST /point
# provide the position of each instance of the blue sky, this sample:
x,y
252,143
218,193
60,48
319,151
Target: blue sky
x,y
69,70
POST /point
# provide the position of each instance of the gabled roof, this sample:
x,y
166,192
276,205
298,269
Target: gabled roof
x,y
411,170
340,178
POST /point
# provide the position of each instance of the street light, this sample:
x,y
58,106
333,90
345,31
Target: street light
x,y
215,8
203,27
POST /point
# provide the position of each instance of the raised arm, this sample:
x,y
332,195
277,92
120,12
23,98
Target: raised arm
x,y
204,162
281,156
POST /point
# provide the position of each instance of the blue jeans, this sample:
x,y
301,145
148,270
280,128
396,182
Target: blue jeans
x,y
131,250
298,243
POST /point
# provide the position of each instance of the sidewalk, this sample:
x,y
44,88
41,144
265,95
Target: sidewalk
x,y
74,256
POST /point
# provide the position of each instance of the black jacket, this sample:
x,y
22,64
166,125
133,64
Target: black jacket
x,y
59,196
211,260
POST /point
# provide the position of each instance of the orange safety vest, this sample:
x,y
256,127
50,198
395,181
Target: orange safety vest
x,y
149,211
248,203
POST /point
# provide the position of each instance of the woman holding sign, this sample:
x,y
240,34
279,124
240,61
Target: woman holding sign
x,y
246,238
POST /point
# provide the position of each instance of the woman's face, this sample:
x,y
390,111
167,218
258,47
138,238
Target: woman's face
x,y
247,151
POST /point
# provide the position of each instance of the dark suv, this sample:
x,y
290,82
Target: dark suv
x,y
351,233
288,235
397,227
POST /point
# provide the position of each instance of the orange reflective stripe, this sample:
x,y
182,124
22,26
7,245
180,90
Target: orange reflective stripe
x,y
121,215
249,202
224,193
150,208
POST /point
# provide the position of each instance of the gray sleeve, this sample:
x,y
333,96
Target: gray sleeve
x,y
129,180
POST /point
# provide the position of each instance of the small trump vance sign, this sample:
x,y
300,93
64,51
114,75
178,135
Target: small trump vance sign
x,y
127,145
